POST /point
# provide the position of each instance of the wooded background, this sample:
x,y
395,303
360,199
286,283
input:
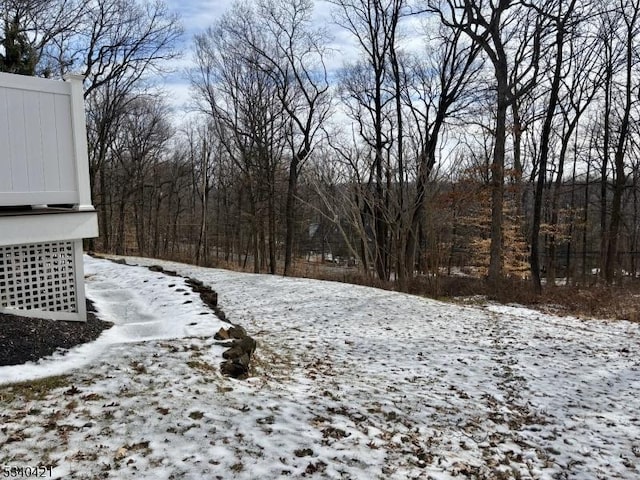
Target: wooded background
x,y
483,138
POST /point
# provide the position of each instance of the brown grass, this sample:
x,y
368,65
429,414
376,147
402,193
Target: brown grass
x,y
34,389
621,302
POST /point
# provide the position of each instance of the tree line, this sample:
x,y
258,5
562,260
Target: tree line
x,y
488,138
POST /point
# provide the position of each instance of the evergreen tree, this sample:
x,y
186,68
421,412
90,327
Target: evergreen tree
x,y
16,54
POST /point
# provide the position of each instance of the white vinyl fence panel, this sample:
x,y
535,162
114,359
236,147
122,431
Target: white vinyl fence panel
x,y
38,159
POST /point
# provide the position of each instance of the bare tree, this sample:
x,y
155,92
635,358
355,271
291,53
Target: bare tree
x,y
369,88
136,149
275,43
578,90
202,150
294,55
496,26
630,12
105,110
438,90
240,99
118,44
563,21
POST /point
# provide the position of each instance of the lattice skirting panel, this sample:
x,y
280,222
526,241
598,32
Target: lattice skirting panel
x,y
43,280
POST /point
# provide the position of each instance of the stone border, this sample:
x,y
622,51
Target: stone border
x,y
238,356
240,346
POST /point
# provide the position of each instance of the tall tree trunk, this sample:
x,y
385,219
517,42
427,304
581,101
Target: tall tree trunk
x,y
603,172
425,167
545,147
290,215
404,274
121,228
380,223
156,222
569,271
273,266
585,222
497,176
201,251
105,231
620,176
555,201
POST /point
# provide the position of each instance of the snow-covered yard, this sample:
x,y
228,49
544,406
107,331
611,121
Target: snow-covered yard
x,y
350,382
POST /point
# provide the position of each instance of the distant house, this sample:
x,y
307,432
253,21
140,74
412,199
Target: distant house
x,y
45,201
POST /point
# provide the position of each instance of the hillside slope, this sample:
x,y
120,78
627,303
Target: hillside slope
x,y
350,382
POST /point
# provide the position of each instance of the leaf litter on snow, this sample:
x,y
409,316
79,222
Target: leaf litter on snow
x,y
350,382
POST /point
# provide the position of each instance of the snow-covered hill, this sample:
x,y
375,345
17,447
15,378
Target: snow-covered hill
x,y
351,382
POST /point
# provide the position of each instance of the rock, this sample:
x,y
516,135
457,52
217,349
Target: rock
x,y
241,351
194,282
237,332
222,334
220,314
209,297
232,353
233,369
247,345
156,268
244,360
238,360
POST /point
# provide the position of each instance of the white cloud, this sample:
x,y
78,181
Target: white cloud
x,y
198,15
